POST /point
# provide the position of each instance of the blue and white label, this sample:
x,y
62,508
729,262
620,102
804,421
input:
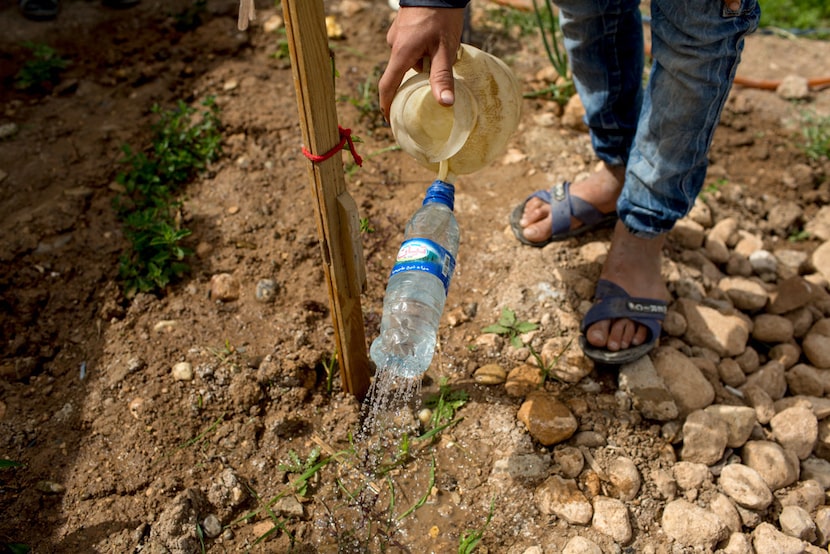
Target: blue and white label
x,y
425,255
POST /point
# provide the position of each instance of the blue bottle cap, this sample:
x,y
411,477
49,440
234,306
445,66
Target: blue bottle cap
x,y
442,192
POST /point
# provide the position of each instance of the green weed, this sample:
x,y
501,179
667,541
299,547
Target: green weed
x,y
470,539
799,236
183,143
445,404
330,367
548,24
512,328
509,19
816,136
367,101
509,326
797,14
365,226
41,72
191,17
306,469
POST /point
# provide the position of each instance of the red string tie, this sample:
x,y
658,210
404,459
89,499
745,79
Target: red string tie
x,y
345,138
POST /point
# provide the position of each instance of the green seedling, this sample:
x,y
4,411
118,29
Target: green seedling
x,y
445,404
191,17
713,188
816,136
42,72
509,19
548,25
797,14
281,52
200,534
306,468
149,208
367,101
423,500
510,327
365,226
15,548
330,367
470,539
799,236
201,436
8,464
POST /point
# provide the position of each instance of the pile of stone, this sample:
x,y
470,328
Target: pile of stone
x,y
738,385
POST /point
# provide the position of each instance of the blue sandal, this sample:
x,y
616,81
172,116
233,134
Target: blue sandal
x,y
39,10
563,206
612,302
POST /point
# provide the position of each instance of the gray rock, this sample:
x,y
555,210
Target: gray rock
x,y
763,262
716,250
569,459
686,383
212,526
562,497
777,467
784,217
625,478
746,294
796,429
722,507
766,538
807,494
787,353
819,225
725,334
725,231
739,422
793,87
816,344
791,294
688,234
690,475
822,521
649,393
730,372
691,525
745,486
796,522
760,402
737,543
581,545
816,469
704,438
770,378
821,259
772,329
611,518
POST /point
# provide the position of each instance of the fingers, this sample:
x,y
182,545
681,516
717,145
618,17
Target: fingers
x,y
416,34
733,5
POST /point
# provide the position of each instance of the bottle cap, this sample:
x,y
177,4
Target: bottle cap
x,y
441,192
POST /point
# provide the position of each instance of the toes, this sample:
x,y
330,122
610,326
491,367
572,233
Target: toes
x,y
597,334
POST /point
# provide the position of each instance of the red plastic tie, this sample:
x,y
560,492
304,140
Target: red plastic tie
x,y
345,138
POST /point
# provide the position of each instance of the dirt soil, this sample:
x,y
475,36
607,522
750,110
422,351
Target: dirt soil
x,y
119,456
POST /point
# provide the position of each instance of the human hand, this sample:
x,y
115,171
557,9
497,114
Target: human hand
x,y
416,34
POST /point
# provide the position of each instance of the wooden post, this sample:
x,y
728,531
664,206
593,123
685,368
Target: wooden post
x,y
337,219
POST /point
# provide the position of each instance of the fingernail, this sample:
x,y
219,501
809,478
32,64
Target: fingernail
x,y
447,97
734,6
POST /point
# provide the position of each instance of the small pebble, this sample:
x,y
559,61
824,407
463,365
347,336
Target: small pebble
x,y
490,374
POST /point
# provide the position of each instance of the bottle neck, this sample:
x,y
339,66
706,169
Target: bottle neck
x,y
441,192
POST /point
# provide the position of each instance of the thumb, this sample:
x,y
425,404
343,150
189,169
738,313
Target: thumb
x,y
441,78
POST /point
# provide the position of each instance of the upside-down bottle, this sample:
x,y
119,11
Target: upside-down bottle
x,y
418,285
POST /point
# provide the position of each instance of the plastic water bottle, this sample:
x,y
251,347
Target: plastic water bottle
x,y
418,286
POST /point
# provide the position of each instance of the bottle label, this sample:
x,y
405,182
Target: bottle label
x,y
425,255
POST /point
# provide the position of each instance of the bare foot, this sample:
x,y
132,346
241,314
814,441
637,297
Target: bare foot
x,y
634,264
601,189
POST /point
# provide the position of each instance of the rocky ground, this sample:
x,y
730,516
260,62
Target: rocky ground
x,y
181,422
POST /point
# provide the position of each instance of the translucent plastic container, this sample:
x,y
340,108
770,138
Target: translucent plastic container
x,y
474,130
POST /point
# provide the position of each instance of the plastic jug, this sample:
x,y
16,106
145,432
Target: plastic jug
x,y
473,131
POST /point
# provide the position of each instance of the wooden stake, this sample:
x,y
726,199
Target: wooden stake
x,y
337,219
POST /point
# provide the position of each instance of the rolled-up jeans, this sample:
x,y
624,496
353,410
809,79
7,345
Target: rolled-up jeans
x,y
661,134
